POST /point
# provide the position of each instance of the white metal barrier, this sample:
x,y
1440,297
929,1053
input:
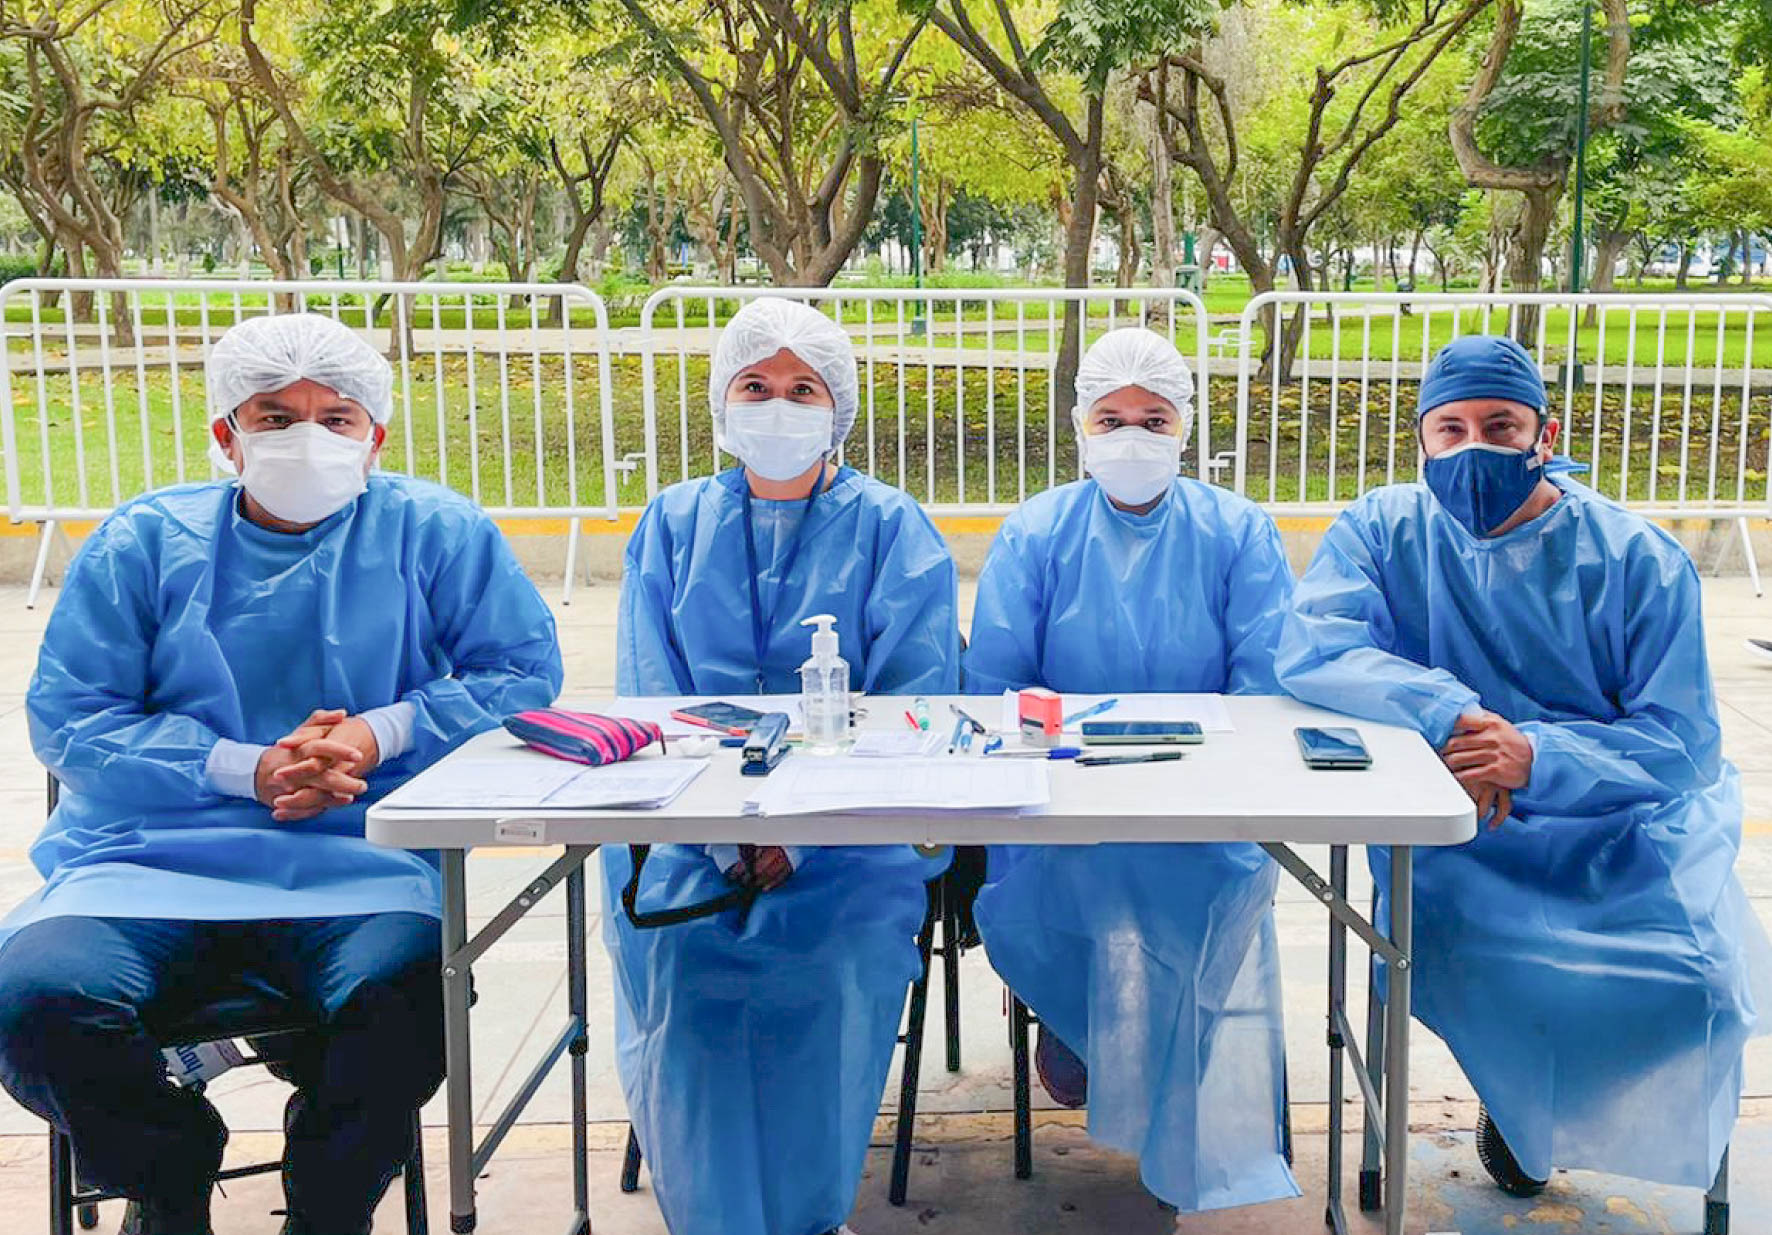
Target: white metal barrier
x,y
507,392
958,397
1663,398
502,390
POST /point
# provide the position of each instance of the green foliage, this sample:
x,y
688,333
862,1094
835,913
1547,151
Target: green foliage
x,y
1094,38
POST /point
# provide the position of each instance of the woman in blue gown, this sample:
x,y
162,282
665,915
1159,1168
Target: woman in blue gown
x,y
754,1047
1153,968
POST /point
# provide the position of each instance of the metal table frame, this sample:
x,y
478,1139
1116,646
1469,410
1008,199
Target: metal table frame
x,y
460,951
1376,1071
1385,1070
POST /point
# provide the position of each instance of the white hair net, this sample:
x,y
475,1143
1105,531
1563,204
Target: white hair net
x,y
263,354
1134,356
763,328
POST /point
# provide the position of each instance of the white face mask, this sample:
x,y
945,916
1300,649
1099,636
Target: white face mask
x,y
778,439
1132,465
304,473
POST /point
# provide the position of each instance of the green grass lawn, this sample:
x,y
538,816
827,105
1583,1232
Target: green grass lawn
x,y
983,438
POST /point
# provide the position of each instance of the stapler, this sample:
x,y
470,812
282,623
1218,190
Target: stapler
x,y
766,745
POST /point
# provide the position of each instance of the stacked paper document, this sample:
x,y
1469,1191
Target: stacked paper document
x,y
841,784
543,783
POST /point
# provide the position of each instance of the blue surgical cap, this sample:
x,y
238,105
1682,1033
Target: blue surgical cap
x,y
1482,367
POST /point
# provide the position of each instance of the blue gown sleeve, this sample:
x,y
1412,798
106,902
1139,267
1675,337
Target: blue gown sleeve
x,y
1258,595
1335,648
1667,740
647,658
912,612
88,705
1004,652
498,636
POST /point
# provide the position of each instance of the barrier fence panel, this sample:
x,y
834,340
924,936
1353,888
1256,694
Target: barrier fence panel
x,y
958,392
1664,399
501,390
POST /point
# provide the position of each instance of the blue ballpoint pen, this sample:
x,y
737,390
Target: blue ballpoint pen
x,y
1034,752
1106,705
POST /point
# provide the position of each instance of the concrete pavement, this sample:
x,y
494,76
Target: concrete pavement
x,y
961,1182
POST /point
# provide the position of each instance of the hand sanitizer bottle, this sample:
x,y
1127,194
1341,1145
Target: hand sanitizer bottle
x,y
824,690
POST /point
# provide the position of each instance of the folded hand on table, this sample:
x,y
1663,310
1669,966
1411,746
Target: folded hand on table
x,y
319,765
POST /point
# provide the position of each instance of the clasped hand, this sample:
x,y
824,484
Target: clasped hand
x,y
321,764
1491,758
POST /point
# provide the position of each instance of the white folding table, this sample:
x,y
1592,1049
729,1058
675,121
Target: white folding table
x,y
1246,785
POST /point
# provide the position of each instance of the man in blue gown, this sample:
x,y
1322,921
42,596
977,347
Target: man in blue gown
x,y
1588,956
754,1047
1155,966
234,671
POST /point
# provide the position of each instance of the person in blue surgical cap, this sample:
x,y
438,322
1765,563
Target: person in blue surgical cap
x,y
1588,956
1153,969
235,670
753,1046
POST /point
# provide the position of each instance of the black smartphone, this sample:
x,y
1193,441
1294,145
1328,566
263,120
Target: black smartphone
x,y
1332,748
1141,732
728,718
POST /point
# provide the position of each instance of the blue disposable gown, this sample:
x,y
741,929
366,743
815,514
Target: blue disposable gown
x,y
1156,963
181,623
753,1054
1588,962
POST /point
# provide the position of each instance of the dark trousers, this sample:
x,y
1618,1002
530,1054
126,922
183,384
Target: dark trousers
x,y
80,999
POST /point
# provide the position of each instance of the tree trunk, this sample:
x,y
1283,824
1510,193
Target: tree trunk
x,y
1162,208
1685,261
1127,270
1747,258
1608,247
1079,239
1538,213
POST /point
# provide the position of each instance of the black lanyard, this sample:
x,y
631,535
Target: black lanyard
x,y
762,624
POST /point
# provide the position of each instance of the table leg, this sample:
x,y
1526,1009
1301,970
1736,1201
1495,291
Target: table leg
x,y
1337,1015
1396,1063
576,986
1371,1176
459,1081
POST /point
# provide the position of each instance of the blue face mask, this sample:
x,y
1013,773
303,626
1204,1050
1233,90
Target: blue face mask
x,y
1481,485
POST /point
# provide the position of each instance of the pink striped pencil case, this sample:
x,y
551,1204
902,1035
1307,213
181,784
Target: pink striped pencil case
x,y
583,737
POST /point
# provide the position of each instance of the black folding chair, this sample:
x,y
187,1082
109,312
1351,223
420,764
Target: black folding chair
x,y
264,1028
241,1015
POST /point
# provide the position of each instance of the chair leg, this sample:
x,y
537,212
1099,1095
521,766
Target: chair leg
x,y
61,1184
418,1220
1024,1115
913,1056
950,972
1716,1201
630,1164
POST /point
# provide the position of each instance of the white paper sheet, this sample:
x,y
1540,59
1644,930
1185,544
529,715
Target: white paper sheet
x,y
812,785
544,783
1207,711
898,743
